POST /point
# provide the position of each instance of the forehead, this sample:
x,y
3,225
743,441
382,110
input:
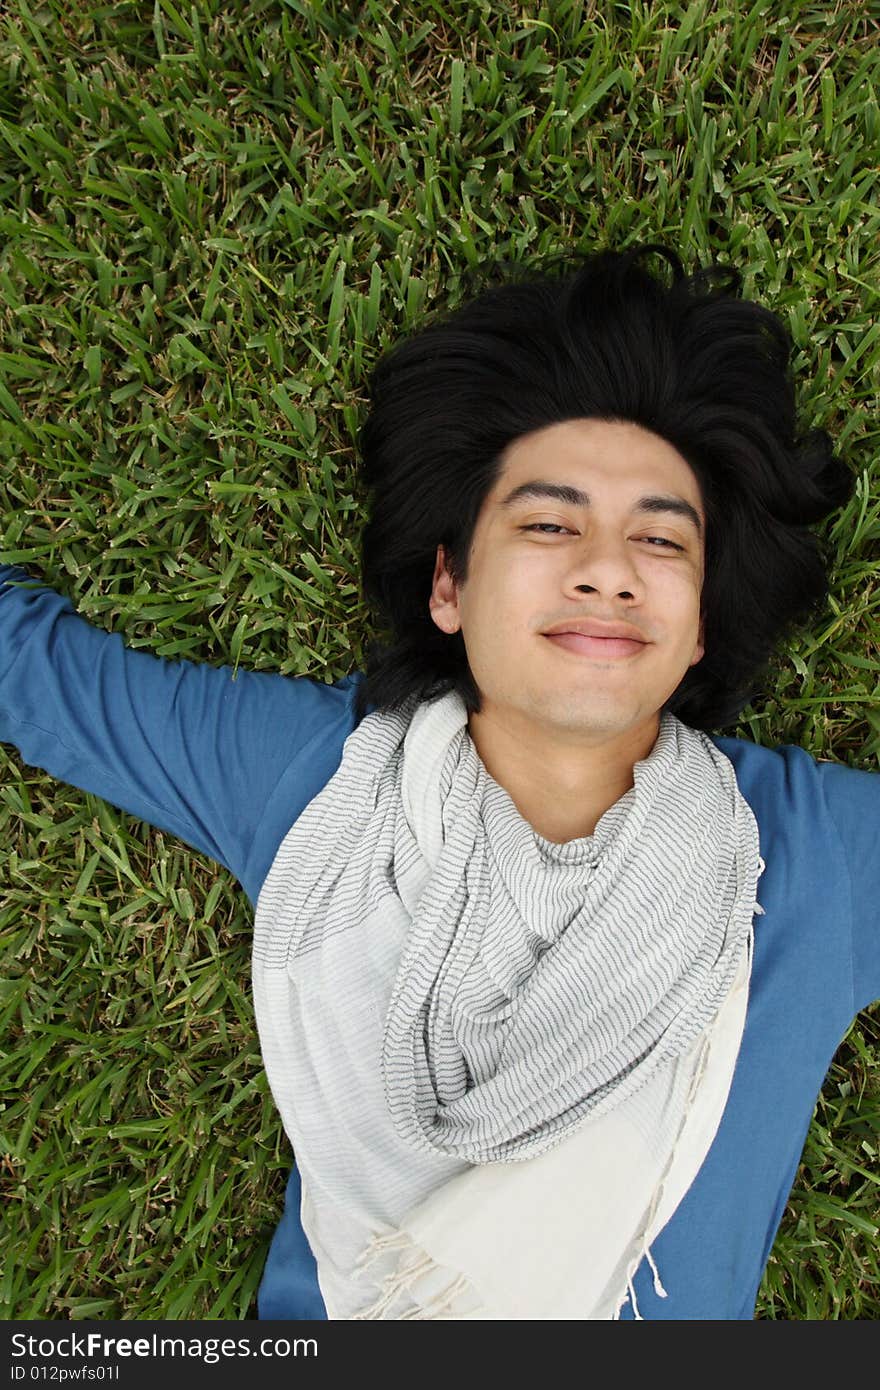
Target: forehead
x,y
611,456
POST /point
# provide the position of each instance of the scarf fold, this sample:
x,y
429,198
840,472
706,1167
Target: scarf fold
x,y
560,1236
507,997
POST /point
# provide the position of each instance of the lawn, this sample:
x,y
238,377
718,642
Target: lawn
x,y
214,217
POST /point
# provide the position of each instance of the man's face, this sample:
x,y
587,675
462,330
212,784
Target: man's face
x,y
627,554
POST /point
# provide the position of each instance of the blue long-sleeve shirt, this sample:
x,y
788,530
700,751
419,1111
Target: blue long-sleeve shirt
x,y
227,765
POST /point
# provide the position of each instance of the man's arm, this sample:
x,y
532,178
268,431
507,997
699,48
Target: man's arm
x,y
853,800
178,744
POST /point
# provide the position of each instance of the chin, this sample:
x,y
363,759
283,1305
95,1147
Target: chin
x,y
587,714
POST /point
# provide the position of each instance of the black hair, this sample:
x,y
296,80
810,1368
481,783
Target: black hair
x,y
690,361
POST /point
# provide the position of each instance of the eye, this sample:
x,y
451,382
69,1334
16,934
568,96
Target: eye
x,y
543,526
662,541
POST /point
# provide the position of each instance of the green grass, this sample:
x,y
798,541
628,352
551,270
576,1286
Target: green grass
x,y
213,219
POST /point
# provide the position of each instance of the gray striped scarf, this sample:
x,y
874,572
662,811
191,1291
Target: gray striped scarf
x,y
524,986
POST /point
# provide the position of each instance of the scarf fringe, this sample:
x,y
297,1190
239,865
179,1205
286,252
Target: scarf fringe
x,y
630,1291
414,1264
658,1286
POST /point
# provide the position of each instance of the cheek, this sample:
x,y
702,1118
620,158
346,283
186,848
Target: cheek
x,y
498,592
681,587
679,604
497,615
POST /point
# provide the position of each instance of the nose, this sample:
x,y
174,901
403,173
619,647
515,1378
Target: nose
x,y
605,565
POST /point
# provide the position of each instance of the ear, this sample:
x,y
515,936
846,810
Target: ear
x,y
699,649
443,602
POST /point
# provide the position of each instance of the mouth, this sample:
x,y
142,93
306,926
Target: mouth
x,y
603,648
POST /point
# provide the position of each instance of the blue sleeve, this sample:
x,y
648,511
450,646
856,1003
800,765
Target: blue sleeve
x,y
181,745
853,801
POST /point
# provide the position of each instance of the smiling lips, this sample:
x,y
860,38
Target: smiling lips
x,y
589,637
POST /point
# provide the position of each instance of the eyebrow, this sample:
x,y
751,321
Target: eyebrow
x,y
573,497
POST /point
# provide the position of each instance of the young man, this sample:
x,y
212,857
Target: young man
x,y
547,979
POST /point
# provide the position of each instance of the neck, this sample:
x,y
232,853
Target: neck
x,y
562,785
